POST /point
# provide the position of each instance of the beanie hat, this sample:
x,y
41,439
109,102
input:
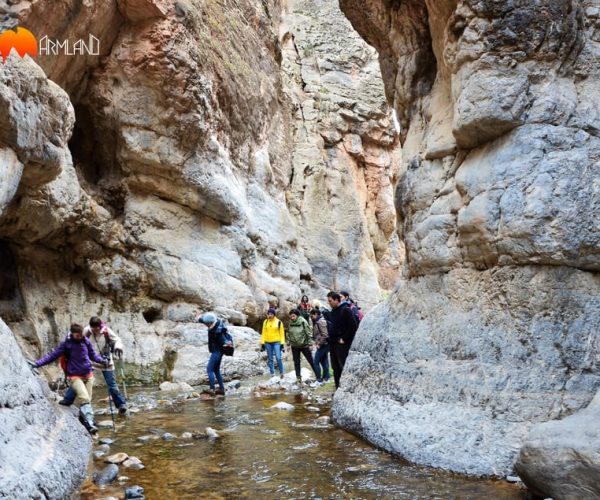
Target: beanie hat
x,y
208,319
272,311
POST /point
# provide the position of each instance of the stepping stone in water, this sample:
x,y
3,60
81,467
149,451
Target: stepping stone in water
x,y
283,406
106,475
117,458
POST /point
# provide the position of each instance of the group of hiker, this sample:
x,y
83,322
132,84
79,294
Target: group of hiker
x,y
312,328
82,351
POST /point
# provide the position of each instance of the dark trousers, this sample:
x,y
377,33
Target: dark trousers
x,y
214,370
111,383
322,361
307,354
339,353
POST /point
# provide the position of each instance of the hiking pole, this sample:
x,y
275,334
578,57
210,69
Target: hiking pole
x,y
122,372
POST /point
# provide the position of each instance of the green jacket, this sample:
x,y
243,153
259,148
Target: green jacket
x,y
299,333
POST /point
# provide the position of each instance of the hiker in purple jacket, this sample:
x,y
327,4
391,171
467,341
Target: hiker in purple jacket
x,y
78,353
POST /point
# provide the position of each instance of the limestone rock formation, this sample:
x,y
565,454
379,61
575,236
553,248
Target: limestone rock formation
x,y
560,457
494,324
176,174
44,450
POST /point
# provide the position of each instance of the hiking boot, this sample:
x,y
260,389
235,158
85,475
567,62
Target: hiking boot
x,y
86,417
281,376
123,409
219,392
299,380
210,392
65,402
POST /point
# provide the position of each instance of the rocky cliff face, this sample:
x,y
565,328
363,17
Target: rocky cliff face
x,y
194,164
494,324
214,155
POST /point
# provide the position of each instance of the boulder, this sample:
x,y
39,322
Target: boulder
x,y
561,458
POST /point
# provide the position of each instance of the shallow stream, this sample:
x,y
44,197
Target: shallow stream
x,y
262,452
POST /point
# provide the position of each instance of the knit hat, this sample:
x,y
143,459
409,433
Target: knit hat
x,y
208,319
272,311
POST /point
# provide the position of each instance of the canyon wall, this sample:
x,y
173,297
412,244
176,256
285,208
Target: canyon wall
x,y
493,327
214,156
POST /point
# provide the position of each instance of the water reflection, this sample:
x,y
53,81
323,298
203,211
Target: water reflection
x,y
263,451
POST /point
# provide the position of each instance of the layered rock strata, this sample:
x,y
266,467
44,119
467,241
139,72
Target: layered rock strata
x,y
494,325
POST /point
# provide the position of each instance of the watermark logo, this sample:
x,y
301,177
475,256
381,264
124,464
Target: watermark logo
x,y
21,39
24,42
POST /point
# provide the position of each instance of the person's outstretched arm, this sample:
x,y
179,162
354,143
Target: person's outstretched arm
x,y
51,356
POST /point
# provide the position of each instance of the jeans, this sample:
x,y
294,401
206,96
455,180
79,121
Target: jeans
x,y
339,353
296,351
214,370
111,383
322,360
274,347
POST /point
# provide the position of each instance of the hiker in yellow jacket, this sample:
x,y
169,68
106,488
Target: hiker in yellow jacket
x,y
273,340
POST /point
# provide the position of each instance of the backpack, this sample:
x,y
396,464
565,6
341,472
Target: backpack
x,y
358,314
229,348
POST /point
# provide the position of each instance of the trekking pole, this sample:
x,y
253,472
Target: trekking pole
x,y
122,372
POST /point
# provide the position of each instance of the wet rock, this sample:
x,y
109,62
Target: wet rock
x,y
106,475
103,448
313,409
513,479
167,436
134,410
107,441
176,387
134,492
133,463
98,454
105,424
211,433
282,405
122,479
146,438
324,420
117,458
186,435
234,384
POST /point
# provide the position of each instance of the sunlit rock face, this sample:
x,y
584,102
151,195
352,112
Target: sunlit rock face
x,y
494,325
209,157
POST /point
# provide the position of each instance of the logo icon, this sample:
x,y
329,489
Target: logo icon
x,y
21,39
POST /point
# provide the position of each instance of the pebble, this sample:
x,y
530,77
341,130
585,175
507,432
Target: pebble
x,y
234,384
107,441
99,454
186,435
106,475
122,479
313,409
105,424
146,438
324,420
134,492
133,463
283,406
211,433
167,436
117,458
513,479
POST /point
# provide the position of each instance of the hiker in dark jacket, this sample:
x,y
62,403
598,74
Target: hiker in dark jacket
x,y
321,335
299,337
341,334
216,342
79,353
304,307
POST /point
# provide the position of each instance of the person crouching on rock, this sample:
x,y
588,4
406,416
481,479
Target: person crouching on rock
x,y
216,342
272,339
107,342
299,336
79,353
